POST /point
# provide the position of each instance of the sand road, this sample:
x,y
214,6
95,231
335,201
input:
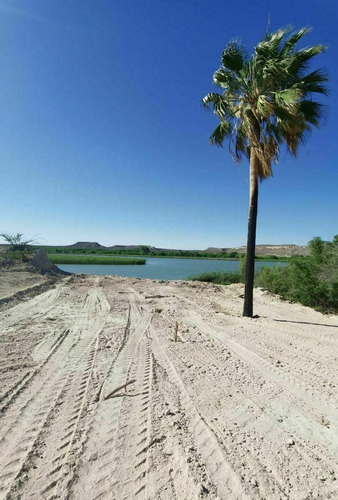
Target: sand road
x,y
98,402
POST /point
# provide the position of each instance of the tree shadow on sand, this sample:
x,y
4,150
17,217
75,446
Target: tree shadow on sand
x,y
304,323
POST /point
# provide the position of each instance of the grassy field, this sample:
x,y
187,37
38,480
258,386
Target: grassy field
x,y
89,259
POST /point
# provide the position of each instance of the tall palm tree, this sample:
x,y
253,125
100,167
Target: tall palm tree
x,y
266,101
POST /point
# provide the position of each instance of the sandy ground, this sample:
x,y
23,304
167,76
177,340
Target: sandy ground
x,y
12,282
98,402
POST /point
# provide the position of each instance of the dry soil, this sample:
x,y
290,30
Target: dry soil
x,y
98,402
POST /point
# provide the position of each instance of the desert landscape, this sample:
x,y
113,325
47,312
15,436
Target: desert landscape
x,y
99,402
169,251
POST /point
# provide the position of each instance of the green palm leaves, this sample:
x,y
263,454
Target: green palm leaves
x,y
267,99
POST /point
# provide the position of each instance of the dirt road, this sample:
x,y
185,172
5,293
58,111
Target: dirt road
x,y
98,402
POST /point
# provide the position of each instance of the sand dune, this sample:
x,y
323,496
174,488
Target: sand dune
x,y
98,402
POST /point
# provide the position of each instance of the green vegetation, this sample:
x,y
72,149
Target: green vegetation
x,y
91,259
20,255
312,281
218,277
223,277
16,242
142,251
267,101
190,254
19,249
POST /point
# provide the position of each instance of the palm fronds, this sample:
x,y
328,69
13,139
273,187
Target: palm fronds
x,y
267,99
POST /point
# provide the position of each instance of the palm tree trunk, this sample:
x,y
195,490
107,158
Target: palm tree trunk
x,y
251,242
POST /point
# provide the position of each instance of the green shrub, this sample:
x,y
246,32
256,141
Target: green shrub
x,y
312,281
19,255
16,242
218,277
274,279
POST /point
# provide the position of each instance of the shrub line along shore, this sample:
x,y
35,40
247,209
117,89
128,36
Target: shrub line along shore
x,y
55,251
95,260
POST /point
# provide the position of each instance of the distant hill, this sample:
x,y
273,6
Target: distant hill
x,y
129,247
279,250
217,250
286,250
138,247
85,244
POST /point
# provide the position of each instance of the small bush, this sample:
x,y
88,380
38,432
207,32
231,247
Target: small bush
x,y
274,279
21,256
218,277
17,243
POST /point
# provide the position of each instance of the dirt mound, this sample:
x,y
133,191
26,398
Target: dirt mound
x,y
38,264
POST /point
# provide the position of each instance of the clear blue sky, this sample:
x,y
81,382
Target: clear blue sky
x,y
103,137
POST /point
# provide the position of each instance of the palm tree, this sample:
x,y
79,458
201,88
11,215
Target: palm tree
x,y
266,101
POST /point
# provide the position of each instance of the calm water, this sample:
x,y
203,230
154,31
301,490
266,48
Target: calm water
x,y
162,269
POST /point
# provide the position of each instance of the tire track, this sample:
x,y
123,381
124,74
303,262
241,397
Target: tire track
x,y
26,346
288,382
297,385
260,425
96,472
241,412
172,447
134,434
31,310
110,407
36,406
293,414
69,429
224,477
8,398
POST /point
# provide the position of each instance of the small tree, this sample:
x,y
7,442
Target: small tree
x,y
16,241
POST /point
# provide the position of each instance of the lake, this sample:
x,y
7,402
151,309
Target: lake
x,y
163,268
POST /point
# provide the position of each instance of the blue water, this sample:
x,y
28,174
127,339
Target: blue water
x,y
162,268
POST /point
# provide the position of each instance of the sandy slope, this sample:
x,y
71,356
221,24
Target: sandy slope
x,y
12,282
98,402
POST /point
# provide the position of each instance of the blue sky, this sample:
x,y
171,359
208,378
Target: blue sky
x,y
103,137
